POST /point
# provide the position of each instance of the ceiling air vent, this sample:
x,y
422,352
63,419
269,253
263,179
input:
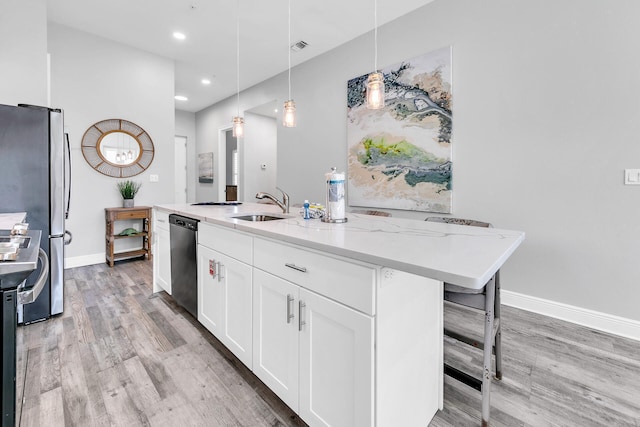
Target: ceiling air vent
x,y
298,46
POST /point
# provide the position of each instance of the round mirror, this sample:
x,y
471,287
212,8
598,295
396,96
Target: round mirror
x,y
117,148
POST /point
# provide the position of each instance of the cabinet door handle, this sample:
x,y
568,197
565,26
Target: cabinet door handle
x,y
219,270
295,267
289,311
301,323
214,269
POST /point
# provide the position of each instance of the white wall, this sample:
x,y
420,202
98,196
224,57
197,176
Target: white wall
x,y
260,147
23,52
94,79
211,120
545,120
186,126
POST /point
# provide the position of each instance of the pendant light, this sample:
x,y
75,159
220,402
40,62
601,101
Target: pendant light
x,y
129,153
238,122
289,111
375,81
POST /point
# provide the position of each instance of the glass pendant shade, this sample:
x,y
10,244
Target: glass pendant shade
x,y
238,127
375,91
289,115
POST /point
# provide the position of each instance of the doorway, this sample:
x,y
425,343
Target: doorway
x,y
229,166
180,169
233,168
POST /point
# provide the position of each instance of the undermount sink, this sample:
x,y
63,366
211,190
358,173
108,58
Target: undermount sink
x,y
258,217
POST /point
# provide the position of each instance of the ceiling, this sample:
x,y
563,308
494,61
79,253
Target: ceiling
x,y
209,50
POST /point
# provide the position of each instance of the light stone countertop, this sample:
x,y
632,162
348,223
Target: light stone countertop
x,y
463,255
8,220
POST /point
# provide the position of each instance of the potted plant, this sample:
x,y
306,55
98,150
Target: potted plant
x,y
128,190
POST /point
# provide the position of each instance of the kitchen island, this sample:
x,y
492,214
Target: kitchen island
x,y
342,321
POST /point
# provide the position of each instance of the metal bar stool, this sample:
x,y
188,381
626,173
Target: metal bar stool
x,y
487,300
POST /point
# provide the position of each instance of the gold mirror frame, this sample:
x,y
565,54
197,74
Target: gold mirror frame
x,y
93,137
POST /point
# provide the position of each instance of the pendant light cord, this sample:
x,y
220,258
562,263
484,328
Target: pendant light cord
x,y
238,55
289,49
375,35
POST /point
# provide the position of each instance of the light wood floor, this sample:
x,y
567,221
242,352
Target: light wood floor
x,y
122,356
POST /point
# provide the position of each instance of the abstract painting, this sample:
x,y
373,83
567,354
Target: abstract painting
x,y
399,157
205,168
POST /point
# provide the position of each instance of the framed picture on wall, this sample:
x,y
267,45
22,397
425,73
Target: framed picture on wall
x,y
399,156
205,168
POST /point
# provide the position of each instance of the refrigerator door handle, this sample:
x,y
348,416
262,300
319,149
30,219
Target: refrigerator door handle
x,y
57,171
68,179
30,295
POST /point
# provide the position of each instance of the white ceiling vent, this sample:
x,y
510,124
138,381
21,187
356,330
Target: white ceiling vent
x,y
298,46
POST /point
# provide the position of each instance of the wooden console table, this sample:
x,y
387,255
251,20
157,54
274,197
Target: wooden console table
x,y
118,214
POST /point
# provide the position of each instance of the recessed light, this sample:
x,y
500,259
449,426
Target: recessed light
x,y
206,81
180,98
179,36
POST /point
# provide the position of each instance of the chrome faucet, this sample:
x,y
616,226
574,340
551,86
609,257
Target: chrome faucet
x,y
284,204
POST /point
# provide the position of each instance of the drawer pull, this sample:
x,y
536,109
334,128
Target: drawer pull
x,y
295,267
301,323
289,311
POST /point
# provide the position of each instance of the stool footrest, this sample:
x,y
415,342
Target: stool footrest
x,y
463,377
472,341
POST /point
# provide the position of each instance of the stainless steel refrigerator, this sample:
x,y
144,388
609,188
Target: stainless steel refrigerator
x,y
35,177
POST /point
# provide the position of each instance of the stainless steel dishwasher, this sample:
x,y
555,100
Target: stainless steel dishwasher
x,y
184,270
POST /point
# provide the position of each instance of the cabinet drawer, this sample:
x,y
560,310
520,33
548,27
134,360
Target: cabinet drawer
x,y
350,283
133,214
227,241
161,219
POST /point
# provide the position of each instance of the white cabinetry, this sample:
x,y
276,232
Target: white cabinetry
x,y
276,335
343,343
314,353
224,288
336,363
364,350
161,252
210,290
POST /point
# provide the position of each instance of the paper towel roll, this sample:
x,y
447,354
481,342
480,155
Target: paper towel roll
x,y
335,196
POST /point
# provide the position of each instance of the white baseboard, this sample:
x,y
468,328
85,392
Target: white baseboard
x,y
616,325
81,261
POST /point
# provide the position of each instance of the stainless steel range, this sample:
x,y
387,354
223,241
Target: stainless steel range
x,y
19,255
